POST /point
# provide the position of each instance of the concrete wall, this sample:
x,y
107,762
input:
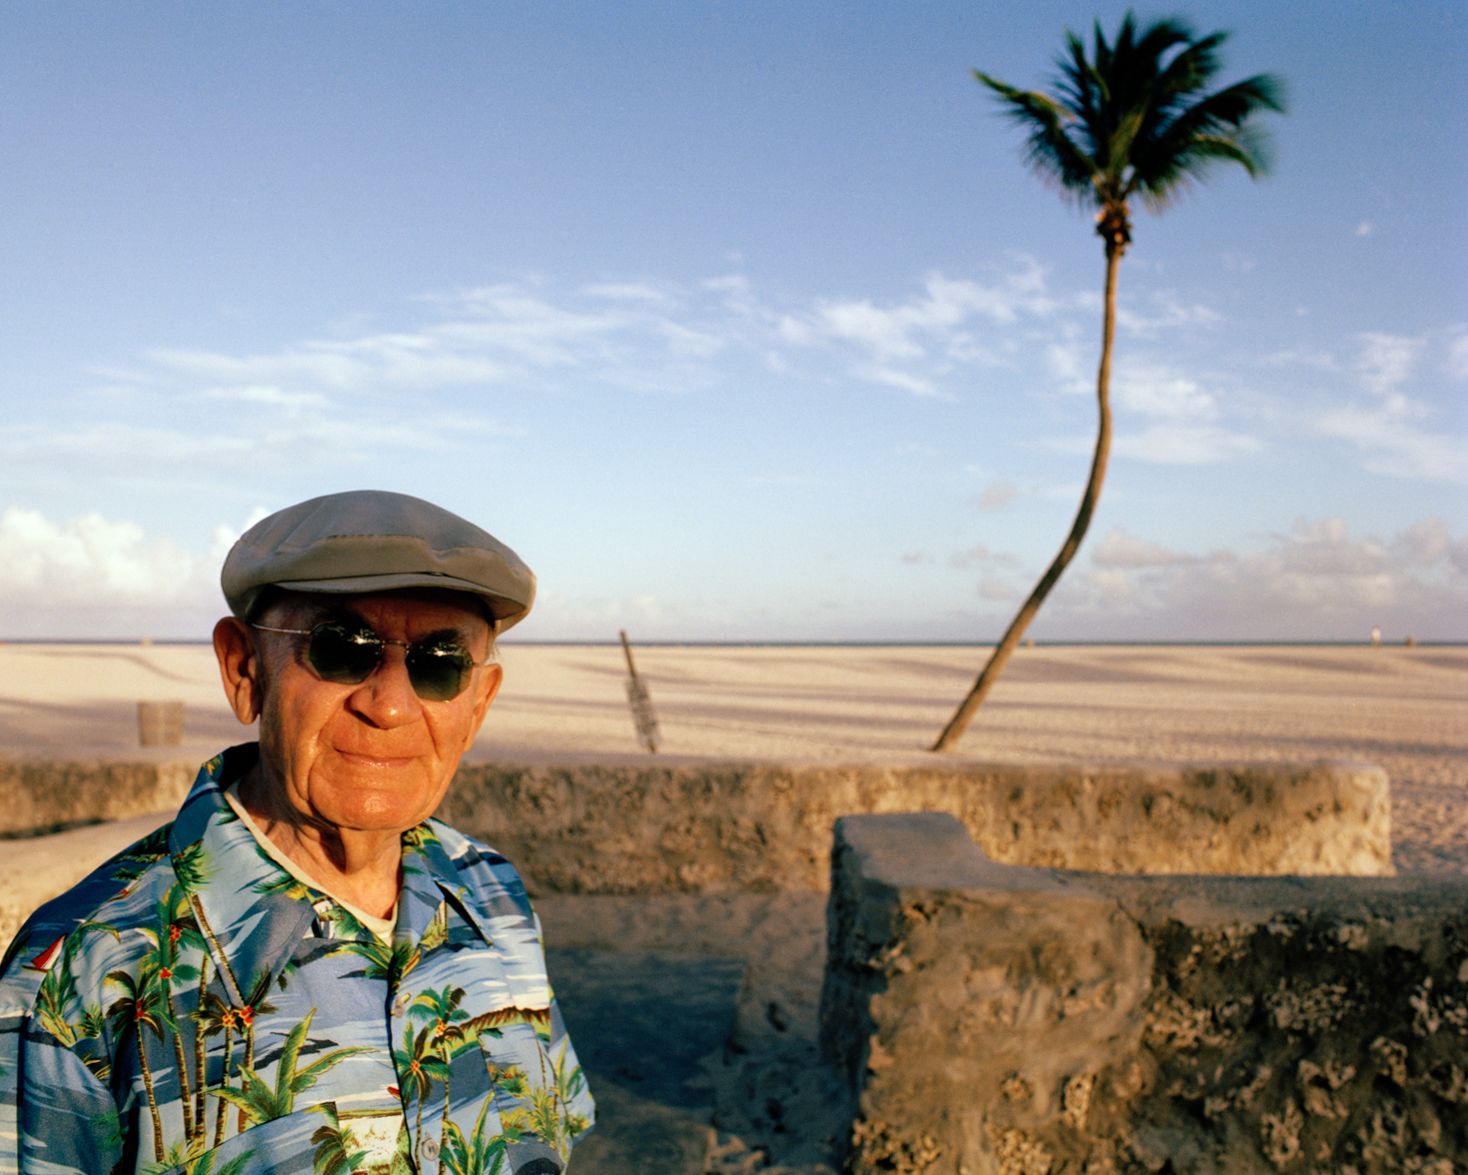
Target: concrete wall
x,y
994,1018
683,826
43,796
668,826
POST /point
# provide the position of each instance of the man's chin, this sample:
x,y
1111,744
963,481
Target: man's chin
x,y
375,798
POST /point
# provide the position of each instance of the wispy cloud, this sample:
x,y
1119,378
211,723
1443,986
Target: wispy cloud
x,y
1121,549
1317,581
1158,391
911,344
1183,443
290,442
1394,444
997,495
980,555
1396,430
1456,360
1386,361
479,362
1161,311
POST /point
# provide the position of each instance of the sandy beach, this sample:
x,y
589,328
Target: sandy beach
x,y
746,968
1405,710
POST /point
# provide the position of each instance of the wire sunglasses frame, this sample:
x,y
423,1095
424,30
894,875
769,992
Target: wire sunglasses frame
x,y
439,670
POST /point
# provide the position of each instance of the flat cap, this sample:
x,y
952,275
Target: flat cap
x,y
375,541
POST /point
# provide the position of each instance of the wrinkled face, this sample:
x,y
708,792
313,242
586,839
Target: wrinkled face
x,y
372,756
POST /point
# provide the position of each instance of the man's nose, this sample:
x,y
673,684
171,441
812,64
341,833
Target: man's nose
x,y
386,698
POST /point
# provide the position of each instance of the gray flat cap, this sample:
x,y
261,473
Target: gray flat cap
x,y
375,541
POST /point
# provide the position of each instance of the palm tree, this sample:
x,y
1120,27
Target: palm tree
x,y
259,1102
137,1008
1133,121
216,1016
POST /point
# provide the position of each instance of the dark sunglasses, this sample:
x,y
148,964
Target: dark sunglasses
x,y
438,668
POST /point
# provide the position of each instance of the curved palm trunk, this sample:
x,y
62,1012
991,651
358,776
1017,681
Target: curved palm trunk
x,y
185,1094
1010,641
201,1124
223,1108
148,1087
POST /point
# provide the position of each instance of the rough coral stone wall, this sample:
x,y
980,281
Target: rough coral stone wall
x,y
44,796
692,825
669,826
997,1019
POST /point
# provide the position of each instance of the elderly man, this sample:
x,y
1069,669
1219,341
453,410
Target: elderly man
x,y
304,972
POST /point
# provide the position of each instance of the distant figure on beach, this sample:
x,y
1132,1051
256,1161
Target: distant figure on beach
x,y
1375,637
304,972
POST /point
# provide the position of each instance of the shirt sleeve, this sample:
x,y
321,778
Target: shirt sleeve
x,y
56,1115
67,1119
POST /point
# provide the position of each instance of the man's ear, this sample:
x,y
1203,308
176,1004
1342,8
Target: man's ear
x,y
239,668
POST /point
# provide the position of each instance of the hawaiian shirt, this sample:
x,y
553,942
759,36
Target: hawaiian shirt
x,y
191,1007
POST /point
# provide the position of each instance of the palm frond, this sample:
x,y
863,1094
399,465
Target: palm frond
x,y
1134,117
1049,149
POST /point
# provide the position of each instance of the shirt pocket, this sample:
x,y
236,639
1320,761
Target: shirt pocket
x,y
523,1086
303,1142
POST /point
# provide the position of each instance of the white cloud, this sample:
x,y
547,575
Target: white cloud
x,y
910,344
1396,446
626,292
1156,391
1121,549
896,378
1394,418
997,495
97,578
991,587
268,395
1175,443
1456,363
886,334
1315,359
1385,361
1317,582
293,441
1424,542
1068,365
1165,311
92,562
977,554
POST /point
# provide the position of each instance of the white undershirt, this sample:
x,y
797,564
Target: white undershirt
x,y
382,927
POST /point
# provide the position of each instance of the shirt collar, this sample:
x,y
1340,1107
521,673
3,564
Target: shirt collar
x,y
250,910
253,912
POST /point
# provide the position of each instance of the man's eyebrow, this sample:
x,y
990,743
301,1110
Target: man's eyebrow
x,y
334,614
342,614
446,633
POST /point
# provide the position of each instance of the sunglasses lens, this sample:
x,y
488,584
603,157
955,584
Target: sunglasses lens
x,y
341,655
439,672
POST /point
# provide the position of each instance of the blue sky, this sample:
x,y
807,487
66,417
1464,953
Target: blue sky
x,y
738,320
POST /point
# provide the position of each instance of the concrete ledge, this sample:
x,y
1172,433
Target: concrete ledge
x,y
40,796
695,825
1000,1019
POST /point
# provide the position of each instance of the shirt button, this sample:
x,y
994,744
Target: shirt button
x,y
400,1005
428,1148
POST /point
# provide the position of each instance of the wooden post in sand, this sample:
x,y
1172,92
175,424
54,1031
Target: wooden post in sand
x,y
641,702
